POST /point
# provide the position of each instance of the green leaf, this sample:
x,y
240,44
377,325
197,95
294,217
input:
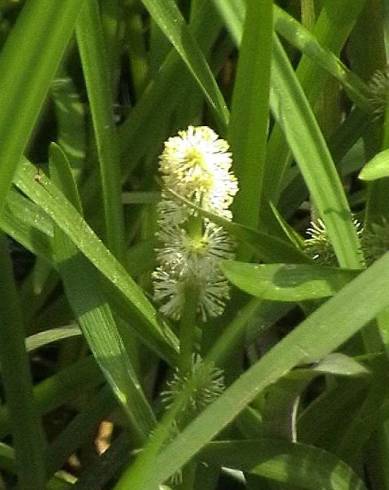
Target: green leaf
x,y
61,481
93,313
287,282
278,405
81,429
293,112
141,130
48,336
341,365
147,324
293,236
248,127
334,24
323,331
66,385
233,13
301,38
267,247
28,63
26,425
94,60
377,167
27,224
168,17
70,114
305,466
324,421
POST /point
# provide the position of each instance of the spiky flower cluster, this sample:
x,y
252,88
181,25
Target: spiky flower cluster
x,y
379,91
195,165
202,385
318,245
374,242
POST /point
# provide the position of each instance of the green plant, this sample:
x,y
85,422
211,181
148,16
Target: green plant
x,y
193,244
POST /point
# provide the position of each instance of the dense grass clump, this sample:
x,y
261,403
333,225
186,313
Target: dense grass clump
x,y
194,226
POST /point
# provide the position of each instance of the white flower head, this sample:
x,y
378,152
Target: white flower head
x,y
170,289
318,245
197,165
181,250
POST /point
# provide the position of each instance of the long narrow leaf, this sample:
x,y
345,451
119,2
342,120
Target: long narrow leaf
x,y
167,15
26,425
287,282
292,110
300,37
90,37
83,290
44,193
250,110
307,467
28,63
322,332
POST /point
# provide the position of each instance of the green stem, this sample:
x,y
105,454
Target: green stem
x,y
27,432
188,329
233,334
139,475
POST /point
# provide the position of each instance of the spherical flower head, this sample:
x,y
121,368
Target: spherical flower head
x,y
203,383
196,164
379,91
318,245
181,250
170,286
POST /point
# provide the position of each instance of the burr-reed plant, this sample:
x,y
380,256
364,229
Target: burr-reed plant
x,y
196,165
193,245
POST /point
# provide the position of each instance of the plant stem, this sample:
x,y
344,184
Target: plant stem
x,y
188,328
27,432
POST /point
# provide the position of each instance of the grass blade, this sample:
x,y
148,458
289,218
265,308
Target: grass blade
x,y
287,282
52,201
168,17
377,167
28,63
94,59
28,225
93,313
163,91
250,110
301,38
41,339
80,429
322,332
27,431
267,247
71,120
62,387
307,467
292,110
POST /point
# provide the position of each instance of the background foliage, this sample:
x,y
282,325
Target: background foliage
x,y
89,91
